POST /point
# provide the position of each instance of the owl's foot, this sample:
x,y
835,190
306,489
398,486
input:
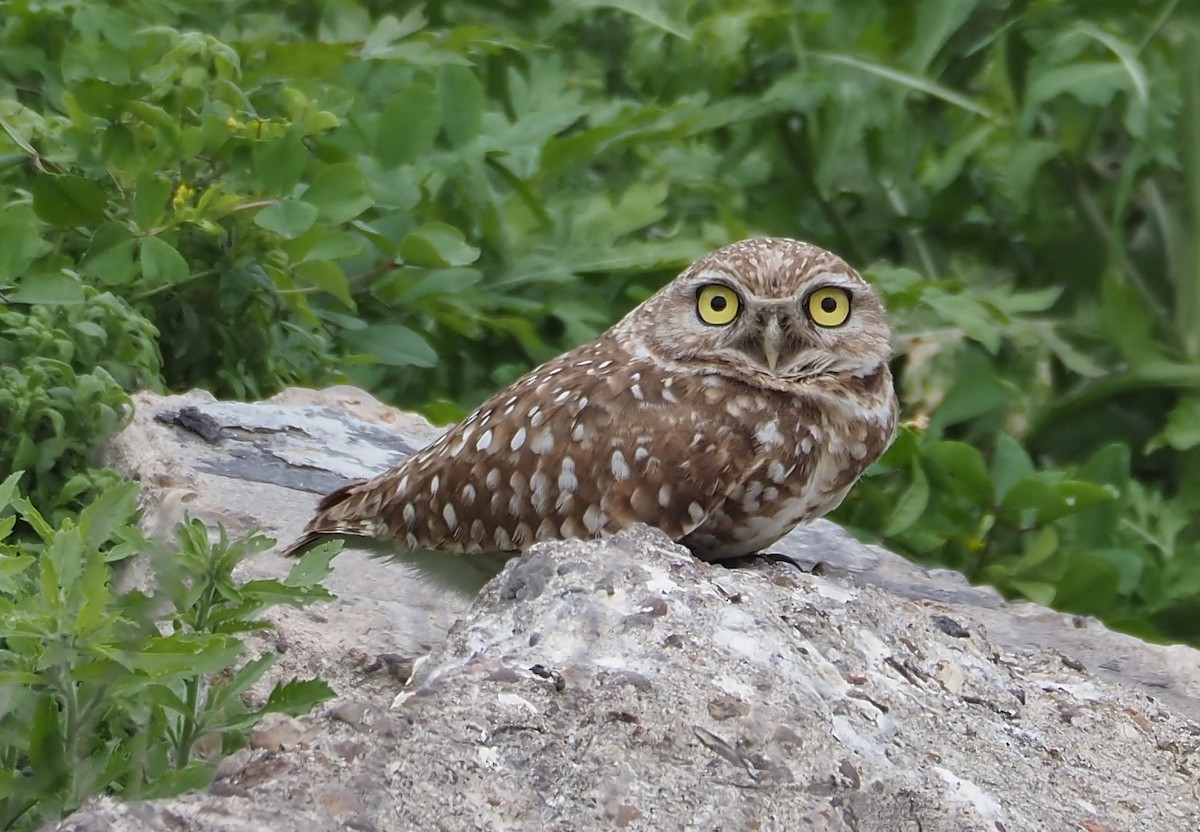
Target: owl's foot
x,y
817,568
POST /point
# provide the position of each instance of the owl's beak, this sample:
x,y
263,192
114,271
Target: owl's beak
x,y
772,341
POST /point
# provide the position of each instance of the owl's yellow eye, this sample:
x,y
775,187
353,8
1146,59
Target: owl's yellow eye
x,y
829,306
717,305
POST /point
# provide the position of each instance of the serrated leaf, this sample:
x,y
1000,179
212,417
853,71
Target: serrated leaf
x,y
112,508
297,697
161,263
289,218
313,565
68,200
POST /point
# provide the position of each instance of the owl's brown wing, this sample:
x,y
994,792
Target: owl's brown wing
x,y
582,447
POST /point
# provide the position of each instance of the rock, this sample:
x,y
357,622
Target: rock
x,y
623,684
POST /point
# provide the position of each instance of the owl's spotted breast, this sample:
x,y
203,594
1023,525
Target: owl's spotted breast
x,y
745,397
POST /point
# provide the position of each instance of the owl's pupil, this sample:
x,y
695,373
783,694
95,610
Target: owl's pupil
x,y
718,304
828,305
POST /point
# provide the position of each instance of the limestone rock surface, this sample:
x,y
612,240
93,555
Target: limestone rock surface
x,y
623,684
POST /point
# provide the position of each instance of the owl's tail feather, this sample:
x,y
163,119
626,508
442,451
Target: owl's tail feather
x,y
338,515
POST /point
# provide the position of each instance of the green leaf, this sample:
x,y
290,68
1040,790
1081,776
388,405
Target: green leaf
x,y
281,162
437,244
392,344
408,125
1037,591
911,504
20,245
313,566
150,199
49,289
1088,586
340,193
288,218
113,508
965,464
297,697
463,104
161,263
68,200
327,276
109,258
1031,494
1182,432
1010,464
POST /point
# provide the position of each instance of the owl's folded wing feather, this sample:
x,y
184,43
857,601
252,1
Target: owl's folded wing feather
x,y
582,447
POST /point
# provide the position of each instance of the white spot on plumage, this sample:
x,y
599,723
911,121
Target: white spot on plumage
x,y
567,481
468,494
485,440
776,471
542,442
664,496
492,480
769,434
620,468
409,513
696,512
450,516
594,519
518,439
434,484
636,390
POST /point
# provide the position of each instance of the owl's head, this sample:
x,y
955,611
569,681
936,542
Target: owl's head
x,y
770,307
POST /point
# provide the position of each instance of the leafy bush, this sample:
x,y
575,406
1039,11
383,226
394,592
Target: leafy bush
x,y
103,690
428,200
63,375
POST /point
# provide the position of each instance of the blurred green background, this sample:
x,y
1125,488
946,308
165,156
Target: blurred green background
x,y
428,199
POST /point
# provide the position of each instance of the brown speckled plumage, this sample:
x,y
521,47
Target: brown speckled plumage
x,y
664,419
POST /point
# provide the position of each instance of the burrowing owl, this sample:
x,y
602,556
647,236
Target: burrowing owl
x,y
745,397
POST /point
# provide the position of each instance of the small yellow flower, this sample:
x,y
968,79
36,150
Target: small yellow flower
x,y
233,124
975,545
182,194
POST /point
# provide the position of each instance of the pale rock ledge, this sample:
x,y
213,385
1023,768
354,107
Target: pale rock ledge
x,y
623,684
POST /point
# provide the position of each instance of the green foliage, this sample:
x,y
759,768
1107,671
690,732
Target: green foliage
x,y
63,375
427,200
103,690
